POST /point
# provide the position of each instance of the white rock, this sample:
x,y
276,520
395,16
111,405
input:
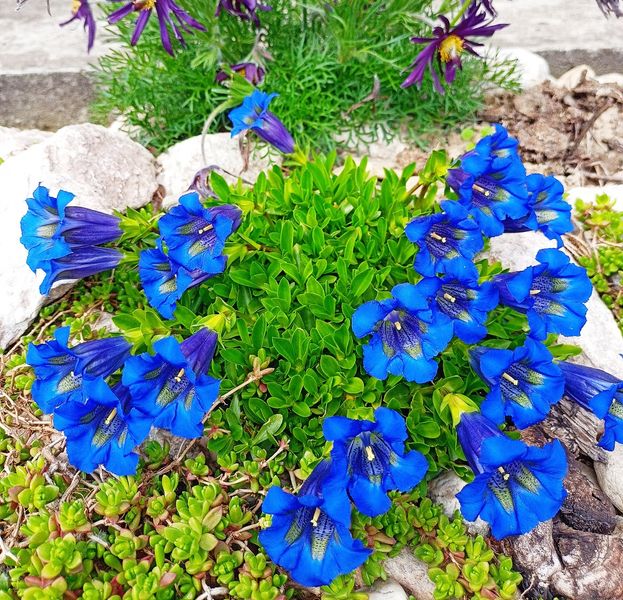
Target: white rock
x,y
516,251
532,69
616,78
387,590
105,170
590,192
572,77
14,140
381,155
610,476
443,490
411,573
178,165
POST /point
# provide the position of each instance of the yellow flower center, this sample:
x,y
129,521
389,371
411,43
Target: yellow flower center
x,y
451,48
144,4
75,6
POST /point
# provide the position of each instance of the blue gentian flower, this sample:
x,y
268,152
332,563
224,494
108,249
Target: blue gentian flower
x,y
173,385
60,370
243,9
599,392
459,296
167,11
253,114
164,281
83,261
491,182
252,72
51,229
549,211
442,238
446,46
309,535
195,236
552,294
523,383
375,459
516,486
405,334
104,429
81,10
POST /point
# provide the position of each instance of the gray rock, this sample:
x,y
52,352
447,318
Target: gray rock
x,y
411,573
178,165
610,476
387,590
443,490
531,69
13,141
105,170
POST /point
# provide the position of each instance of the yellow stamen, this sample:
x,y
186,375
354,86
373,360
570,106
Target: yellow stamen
x,y
179,376
511,379
449,297
501,470
144,4
111,416
451,48
397,325
506,477
534,292
370,454
314,519
75,6
438,237
204,229
482,190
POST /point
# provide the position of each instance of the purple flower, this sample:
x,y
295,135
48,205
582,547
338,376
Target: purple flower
x,y
201,182
243,9
165,11
447,45
253,73
81,10
609,7
253,114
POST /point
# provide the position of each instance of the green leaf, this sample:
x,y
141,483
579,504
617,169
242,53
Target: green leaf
x,y
268,430
361,282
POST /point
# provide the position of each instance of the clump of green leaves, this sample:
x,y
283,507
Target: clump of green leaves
x,y
337,67
604,265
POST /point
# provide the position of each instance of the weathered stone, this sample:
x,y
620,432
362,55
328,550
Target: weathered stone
x,y
573,77
387,590
411,573
532,69
178,165
105,170
610,476
443,490
13,141
592,565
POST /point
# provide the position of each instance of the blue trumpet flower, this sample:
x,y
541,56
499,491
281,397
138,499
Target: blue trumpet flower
x,y
309,535
173,385
374,456
195,236
104,429
552,294
459,296
516,486
51,229
253,114
83,261
164,281
444,238
599,392
549,212
60,370
491,182
523,383
405,334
